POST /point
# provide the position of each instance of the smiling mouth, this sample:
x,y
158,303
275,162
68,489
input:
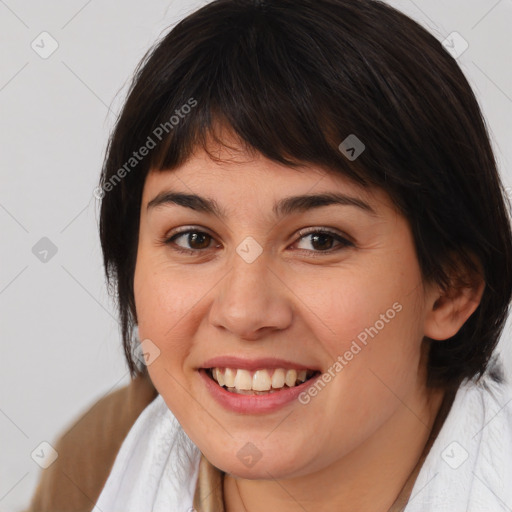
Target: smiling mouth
x,y
259,382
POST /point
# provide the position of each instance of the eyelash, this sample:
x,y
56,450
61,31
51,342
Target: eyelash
x,y
302,234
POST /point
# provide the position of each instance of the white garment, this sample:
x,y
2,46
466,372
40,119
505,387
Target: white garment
x,y
156,468
468,468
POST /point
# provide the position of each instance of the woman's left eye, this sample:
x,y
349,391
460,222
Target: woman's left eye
x,y
321,238
322,241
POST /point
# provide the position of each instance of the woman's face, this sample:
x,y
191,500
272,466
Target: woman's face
x,y
280,283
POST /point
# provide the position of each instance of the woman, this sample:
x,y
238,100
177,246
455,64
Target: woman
x,y
303,219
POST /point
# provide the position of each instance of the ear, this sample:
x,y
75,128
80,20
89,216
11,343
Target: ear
x,y
448,309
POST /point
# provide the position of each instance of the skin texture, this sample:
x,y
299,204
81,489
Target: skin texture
x,y
353,445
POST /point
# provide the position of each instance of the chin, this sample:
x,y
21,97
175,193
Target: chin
x,y
263,468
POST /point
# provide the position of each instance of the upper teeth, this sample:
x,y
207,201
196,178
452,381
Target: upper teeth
x,y
260,380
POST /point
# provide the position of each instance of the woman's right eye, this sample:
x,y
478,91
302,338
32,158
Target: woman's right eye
x,y
193,237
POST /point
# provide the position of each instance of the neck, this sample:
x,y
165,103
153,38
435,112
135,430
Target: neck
x,y
369,478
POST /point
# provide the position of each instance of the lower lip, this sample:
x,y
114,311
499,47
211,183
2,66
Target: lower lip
x,y
254,403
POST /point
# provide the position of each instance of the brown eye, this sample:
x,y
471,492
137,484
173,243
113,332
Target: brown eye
x,y
324,241
195,241
198,240
321,241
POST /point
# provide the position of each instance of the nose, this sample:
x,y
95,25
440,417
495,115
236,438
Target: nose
x,y
252,300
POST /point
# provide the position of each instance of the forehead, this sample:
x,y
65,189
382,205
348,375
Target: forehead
x,y
228,171
234,178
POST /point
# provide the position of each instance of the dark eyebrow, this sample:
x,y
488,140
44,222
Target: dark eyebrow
x,y
192,201
285,206
293,204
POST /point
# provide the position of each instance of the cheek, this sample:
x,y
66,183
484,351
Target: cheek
x,y
161,292
375,361
162,298
363,304
164,301
370,324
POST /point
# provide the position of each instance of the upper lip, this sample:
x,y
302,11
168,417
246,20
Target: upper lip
x,y
253,364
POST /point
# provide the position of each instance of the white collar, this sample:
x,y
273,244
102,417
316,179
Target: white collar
x,y
468,468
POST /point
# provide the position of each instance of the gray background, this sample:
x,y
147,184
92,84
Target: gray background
x,y
61,349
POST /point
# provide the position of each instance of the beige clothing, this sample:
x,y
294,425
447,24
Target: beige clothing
x,y
88,448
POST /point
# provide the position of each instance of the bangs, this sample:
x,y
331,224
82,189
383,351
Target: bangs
x,y
262,84
303,82
287,86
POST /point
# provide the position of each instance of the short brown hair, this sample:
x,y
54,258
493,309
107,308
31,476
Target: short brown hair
x,y
293,78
